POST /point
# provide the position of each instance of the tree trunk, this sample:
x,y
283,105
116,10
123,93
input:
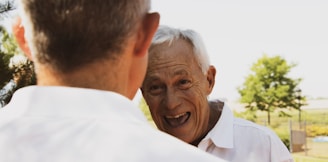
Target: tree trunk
x,y
268,117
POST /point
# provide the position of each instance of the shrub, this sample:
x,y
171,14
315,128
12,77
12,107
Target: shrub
x,y
284,136
316,130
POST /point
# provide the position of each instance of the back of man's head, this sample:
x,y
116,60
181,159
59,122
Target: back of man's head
x,y
67,34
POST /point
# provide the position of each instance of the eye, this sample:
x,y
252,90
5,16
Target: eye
x,y
184,83
155,89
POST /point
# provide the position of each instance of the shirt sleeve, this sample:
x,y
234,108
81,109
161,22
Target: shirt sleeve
x,y
279,151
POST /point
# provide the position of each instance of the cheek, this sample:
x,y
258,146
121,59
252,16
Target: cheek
x,y
198,99
157,117
151,101
154,107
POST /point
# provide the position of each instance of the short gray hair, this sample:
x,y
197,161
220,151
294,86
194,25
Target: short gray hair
x,y
169,34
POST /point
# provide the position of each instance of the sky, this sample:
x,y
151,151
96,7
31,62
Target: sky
x,y
238,32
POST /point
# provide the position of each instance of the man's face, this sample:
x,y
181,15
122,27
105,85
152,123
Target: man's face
x,y
176,90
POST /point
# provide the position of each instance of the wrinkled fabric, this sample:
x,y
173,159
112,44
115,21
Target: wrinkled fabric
x,y
236,140
61,124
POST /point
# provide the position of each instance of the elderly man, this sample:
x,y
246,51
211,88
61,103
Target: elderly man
x,y
90,59
178,81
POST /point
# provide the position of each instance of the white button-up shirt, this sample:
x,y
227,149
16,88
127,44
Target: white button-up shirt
x,y
61,124
239,140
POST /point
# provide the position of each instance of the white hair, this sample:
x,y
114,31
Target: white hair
x,y
169,34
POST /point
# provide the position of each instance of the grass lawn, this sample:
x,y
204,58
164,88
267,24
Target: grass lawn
x,y
303,158
316,152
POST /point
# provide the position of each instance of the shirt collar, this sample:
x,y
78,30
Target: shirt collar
x,y
74,102
222,133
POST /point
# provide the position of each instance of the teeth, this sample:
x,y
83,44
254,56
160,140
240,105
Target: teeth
x,y
175,121
175,117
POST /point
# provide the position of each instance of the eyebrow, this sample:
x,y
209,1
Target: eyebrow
x,y
180,72
151,78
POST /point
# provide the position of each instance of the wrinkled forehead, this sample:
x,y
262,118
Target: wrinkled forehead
x,y
167,75
170,70
172,59
179,50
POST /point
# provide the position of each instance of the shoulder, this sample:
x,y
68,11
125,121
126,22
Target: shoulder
x,y
160,146
247,132
253,128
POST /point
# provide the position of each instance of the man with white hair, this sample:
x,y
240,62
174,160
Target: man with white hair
x,y
178,81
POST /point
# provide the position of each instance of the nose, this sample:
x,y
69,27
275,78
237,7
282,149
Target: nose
x,y
171,100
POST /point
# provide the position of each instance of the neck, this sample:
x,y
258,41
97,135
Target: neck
x,y
100,75
215,113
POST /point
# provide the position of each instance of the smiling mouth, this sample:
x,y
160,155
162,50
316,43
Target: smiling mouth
x,y
177,120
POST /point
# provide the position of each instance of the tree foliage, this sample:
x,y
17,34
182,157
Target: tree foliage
x,y
269,88
13,71
8,49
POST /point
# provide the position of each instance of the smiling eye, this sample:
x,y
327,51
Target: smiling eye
x,y
184,84
184,81
155,89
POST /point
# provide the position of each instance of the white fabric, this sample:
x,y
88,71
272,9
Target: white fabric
x,y
61,124
237,140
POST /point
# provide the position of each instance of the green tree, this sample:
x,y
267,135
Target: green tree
x,y
268,87
15,73
8,49
20,72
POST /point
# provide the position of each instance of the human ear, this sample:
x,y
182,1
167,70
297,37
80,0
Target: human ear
x,y
211,72
141,42
146,32
19,34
